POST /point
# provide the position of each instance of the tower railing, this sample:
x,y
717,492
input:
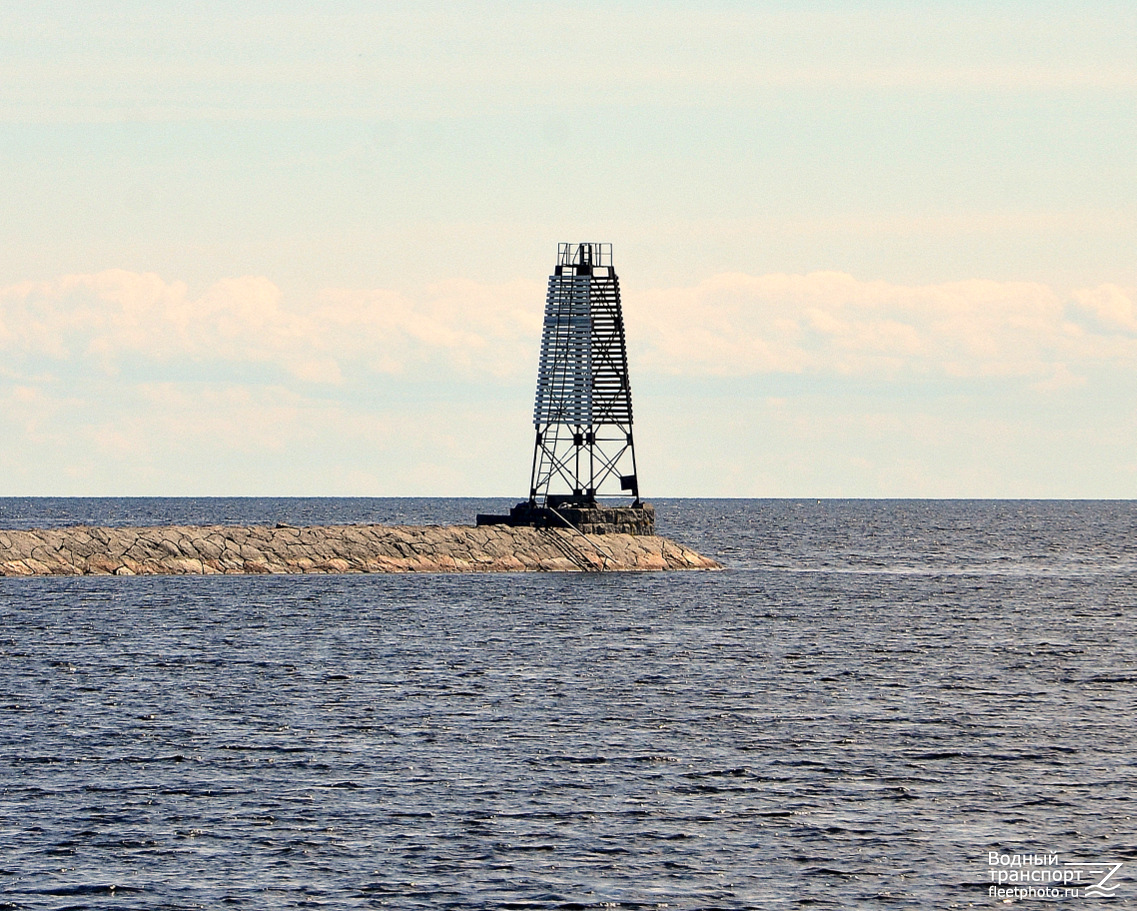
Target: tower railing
x,y
593,254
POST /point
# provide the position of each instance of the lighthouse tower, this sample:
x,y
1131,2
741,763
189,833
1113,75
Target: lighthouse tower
x,y
583,409
584,452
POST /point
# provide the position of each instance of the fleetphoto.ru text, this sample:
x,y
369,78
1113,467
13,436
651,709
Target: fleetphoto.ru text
x,y
1019,876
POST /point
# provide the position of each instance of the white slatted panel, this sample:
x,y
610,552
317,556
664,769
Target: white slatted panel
x,y
564,373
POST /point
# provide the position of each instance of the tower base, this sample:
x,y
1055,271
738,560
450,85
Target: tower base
x,y
590,518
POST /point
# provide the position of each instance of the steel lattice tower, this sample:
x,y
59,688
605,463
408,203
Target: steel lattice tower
x,y
583,408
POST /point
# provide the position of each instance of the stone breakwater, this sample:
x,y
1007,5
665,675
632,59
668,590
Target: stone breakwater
x,y
179,549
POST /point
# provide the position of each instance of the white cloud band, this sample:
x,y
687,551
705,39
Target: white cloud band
x,y
823,323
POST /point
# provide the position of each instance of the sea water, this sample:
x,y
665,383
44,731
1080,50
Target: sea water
x,y
878,704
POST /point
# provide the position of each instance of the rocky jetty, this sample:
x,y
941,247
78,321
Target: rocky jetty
x,y
179,549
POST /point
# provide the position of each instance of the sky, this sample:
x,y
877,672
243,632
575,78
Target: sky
x,y
866,249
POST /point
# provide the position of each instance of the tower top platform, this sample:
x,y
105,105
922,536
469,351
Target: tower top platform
x,y
583,258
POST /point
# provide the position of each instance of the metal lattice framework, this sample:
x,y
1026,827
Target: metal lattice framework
x,y
583,408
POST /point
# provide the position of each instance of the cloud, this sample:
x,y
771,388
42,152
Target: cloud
x,y
129,382
823,323
473,327
833,323
1113,307
104,319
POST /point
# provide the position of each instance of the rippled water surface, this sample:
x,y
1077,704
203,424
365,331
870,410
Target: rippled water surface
x,y
873,697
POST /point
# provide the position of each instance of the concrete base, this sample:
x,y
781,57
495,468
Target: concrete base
x,y
592,519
